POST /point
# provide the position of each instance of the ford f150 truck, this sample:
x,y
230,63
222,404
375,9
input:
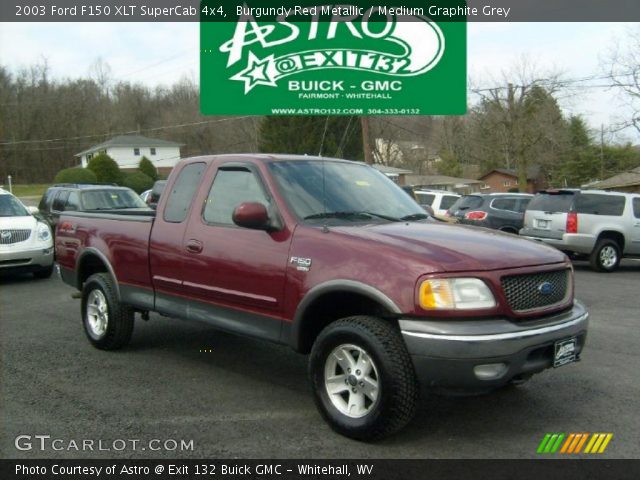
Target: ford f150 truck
x,y
329,257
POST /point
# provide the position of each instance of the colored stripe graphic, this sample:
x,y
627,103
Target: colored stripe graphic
x,y
573,443
550,443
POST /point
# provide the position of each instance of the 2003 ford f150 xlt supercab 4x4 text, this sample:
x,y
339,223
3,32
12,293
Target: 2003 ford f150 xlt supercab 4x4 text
x,y
332,258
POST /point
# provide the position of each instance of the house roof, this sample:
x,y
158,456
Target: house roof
x,y
533,172
440,180
131,141
387,170
624,179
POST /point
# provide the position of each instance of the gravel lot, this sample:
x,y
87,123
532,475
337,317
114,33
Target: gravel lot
x,y
244,398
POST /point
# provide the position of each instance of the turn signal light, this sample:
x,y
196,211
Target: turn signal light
x,y
476,215
572,222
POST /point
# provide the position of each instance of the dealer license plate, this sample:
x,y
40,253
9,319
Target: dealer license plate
x,y
565,352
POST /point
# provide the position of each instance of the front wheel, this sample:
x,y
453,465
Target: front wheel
x,y
363,379
107,323
605,256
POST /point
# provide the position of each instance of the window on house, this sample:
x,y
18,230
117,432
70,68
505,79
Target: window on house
x,y
136,151
506,183
102,152
89,156
153,151
485,186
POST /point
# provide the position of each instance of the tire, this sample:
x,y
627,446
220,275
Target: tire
x,y
107,323
44,273
605,257
377,399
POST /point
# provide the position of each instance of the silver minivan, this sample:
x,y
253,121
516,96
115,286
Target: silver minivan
x,y
603,226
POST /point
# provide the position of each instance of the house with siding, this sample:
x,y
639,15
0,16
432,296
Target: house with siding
x,y
502,180
128,150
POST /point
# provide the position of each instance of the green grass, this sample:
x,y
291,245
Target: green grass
x,y
28,190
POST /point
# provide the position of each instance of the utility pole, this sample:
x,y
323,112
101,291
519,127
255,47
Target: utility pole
x,y
366,140
601,151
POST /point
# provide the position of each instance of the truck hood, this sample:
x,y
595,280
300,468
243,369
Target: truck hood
x,y
455,248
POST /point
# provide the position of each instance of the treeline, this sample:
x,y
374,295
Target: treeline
x,y
45,122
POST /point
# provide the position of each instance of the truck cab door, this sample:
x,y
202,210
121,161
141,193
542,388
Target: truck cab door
x,y
234,277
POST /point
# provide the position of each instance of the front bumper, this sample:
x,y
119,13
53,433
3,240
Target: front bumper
x,y
446,353
26,260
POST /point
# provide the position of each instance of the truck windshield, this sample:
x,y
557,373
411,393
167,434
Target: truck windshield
x,y
320,189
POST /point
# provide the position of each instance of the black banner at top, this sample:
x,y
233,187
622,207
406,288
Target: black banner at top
x,y
226,10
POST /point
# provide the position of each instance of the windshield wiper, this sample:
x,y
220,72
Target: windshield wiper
x,y
350,214
415,216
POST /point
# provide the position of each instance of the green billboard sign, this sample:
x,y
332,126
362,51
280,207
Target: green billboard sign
x,y
357,59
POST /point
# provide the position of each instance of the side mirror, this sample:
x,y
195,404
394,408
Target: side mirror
x,y
33,210
252,215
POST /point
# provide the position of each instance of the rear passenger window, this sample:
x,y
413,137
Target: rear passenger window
x,y
60,201
594,204
425,198
73,202
230,188
636,207
504,204
182,192
45,202
447,201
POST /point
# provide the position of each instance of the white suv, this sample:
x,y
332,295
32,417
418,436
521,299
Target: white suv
x,y
26,244
603,225
439,200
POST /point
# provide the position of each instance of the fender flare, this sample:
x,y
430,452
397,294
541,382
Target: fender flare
x,y
334,286
95,252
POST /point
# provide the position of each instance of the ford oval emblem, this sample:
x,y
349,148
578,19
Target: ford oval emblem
x,y
6,236
545,288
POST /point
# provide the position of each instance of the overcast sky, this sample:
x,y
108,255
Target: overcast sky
x,y
161,53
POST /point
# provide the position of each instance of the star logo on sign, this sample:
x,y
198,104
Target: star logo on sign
x,y
256,73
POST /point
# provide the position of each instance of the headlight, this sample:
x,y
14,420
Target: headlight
x,y
455,294
44,232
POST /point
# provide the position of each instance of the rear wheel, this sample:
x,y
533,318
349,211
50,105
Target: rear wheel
x,y
605,257
107,323
363,379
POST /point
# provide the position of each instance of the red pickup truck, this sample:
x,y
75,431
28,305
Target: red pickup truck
x,y
331,258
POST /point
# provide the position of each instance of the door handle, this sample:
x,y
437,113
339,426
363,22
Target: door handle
x,y
194,246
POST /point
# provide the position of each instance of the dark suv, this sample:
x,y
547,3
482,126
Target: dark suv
x,y
70,197
500,211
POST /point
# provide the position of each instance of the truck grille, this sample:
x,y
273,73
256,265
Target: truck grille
x,y
8,237
534,291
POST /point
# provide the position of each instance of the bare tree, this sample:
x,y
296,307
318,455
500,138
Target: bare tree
x,y
622,67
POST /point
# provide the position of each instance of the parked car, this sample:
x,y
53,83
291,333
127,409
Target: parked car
x,y
438,200
153,197
331,258
144,195
26,244
601,226
499,211
86,198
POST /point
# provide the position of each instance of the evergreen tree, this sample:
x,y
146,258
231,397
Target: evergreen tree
x,y
105,168
145,166
312,135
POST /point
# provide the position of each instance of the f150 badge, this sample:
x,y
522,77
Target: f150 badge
x,y
332,60
302,264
